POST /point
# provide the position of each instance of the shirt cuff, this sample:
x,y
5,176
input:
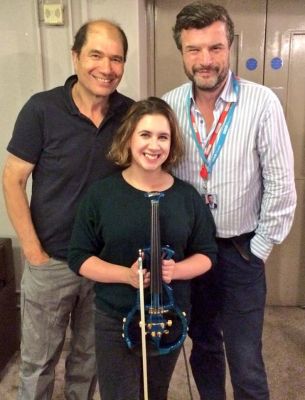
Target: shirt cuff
x,y
260,247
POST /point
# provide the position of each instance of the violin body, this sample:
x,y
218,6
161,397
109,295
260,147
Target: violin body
x,y
165,324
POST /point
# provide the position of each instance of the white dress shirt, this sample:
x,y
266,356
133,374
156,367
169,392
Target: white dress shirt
x,y
253,176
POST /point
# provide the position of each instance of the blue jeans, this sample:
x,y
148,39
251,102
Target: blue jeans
x,y
228,309
120,370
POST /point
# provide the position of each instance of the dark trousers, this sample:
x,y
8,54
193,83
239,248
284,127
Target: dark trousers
x,y
120,370
228,311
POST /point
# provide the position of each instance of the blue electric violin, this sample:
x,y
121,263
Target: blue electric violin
x,y
165,325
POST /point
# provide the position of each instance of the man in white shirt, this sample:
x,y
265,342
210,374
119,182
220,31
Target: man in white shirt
x,y
238,148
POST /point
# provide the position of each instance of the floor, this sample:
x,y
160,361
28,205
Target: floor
x,y
284,352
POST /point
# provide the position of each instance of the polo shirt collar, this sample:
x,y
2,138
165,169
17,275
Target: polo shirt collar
x,y
115,100
68,94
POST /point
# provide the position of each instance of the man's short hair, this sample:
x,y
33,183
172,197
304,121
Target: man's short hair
x,y
80,38
199,15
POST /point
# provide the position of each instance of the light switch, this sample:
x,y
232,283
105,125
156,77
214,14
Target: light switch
x,y
53,14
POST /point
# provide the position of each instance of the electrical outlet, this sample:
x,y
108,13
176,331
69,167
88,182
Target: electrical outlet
x,y
53,14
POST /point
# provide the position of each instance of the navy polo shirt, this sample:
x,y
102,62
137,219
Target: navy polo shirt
x,y
68,151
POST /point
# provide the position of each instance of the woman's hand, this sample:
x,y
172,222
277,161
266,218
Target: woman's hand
x,y
168,268
134,276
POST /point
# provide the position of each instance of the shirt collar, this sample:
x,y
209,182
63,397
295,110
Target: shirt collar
x,y
115,100
228,94
68,94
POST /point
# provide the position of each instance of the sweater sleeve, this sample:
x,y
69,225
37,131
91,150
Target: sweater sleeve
x,y
85,240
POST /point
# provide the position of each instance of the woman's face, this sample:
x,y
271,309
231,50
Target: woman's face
x,y
150,142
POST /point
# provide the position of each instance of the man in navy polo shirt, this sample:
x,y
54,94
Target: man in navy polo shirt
x,y
61,138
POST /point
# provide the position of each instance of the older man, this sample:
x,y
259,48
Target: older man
x,y
61,138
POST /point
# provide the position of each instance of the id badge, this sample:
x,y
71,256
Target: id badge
x,y
211,201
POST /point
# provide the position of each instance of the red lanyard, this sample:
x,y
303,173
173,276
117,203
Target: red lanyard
x,y
208,147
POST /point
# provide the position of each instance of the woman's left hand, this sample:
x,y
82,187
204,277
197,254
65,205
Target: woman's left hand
x,y
168,268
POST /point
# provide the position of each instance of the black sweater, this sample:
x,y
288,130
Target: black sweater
x,y
113,223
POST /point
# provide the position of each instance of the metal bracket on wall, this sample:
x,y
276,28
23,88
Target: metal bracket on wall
x,y
51,12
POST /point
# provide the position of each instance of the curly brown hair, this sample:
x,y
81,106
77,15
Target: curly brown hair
x,y
120,150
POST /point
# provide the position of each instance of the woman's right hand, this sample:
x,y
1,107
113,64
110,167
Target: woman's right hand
x,y
133,277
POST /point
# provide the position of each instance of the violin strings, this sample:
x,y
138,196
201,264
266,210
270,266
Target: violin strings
x,y
156,265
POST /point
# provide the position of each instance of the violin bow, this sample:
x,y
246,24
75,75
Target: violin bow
x,y
143,325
